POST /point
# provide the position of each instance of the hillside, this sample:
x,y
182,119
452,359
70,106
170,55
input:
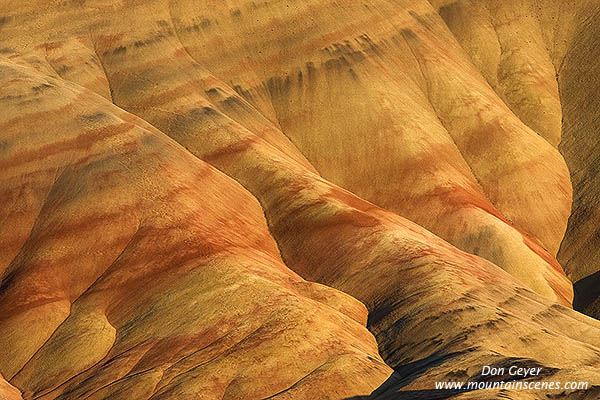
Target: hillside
x,y
296,200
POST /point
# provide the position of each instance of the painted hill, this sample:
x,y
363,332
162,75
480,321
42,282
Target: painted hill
x,y
293,200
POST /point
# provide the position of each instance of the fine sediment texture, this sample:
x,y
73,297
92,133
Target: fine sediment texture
x,y
541,69
296,200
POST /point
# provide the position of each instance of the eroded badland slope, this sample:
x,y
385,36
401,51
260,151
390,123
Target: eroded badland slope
x,y
291,200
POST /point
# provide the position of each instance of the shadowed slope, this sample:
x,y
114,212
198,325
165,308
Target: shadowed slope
x,y
580,93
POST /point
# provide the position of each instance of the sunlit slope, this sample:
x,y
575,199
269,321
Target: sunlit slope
x,y
135,240
9,392
537,55
383,88
140,271
382,101
182,286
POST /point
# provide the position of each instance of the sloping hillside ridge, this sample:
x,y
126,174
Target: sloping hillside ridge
x,y
159,276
